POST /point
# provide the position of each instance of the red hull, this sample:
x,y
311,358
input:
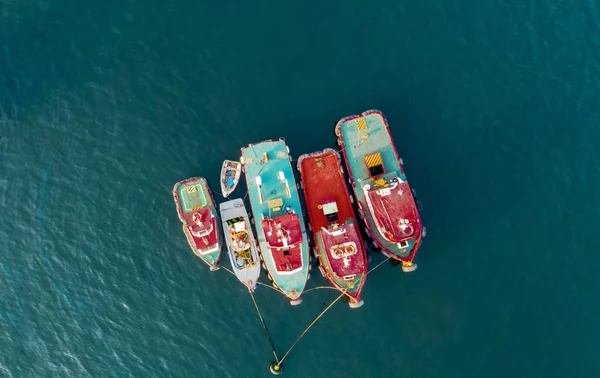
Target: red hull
x,y
396,212
324,185
284,237
207,222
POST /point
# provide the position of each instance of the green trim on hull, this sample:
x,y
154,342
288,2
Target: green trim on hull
x,y
274,192
358,140
346,285
191,195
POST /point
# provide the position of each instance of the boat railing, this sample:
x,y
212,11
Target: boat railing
x,y
366,190
317,154
336,232
285,182
286,245
207,250
259,186
202,233
407,230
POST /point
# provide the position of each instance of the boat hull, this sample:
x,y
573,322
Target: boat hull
x,y
371,159
275,203
231,170
197,211
237,230
333,223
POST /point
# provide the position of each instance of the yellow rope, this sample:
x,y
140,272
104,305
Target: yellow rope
x,y
264,327
320,287
378,265
343,292
253,181
260,283
270,287
310,325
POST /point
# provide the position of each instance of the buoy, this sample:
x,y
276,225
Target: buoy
x,y
408,267
354,304
275,368
296,302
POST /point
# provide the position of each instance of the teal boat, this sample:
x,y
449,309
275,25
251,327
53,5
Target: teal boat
x,y
277,216
386,201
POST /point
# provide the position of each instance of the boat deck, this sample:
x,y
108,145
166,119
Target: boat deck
x,y
210,239
342,247
272,196
197,213
395,211
365,135
374,164
192,196
200,221
284,235
322,179
324,185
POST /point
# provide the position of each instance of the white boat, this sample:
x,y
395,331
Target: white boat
x,y
241,244
230,176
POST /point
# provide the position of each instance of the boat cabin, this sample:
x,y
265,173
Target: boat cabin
x,y
238,232
201,224
236,225
330,209
283,235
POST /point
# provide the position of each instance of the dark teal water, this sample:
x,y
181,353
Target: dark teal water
x,y
104,105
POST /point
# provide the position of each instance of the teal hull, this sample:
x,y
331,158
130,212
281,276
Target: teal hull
x,y
272,190
359,139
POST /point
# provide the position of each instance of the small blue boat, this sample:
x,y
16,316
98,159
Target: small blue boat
x,y
277,216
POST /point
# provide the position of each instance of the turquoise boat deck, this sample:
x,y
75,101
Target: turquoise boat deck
x,y
193,196
367,142
273,196
377,140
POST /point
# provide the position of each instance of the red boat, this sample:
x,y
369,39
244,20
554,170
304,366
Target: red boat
x,y
197,211
386,201
338,243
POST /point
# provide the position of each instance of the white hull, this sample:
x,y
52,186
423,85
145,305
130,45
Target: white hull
x,y
234,168
242,250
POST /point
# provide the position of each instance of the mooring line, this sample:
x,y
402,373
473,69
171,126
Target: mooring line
x,y
343,292
269,286
228,270
320,287
254,181
378,265
309,327
264,327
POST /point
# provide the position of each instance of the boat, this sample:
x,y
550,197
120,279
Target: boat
x,y
385,199
230,176
278,217
338,244
197,211
241,245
